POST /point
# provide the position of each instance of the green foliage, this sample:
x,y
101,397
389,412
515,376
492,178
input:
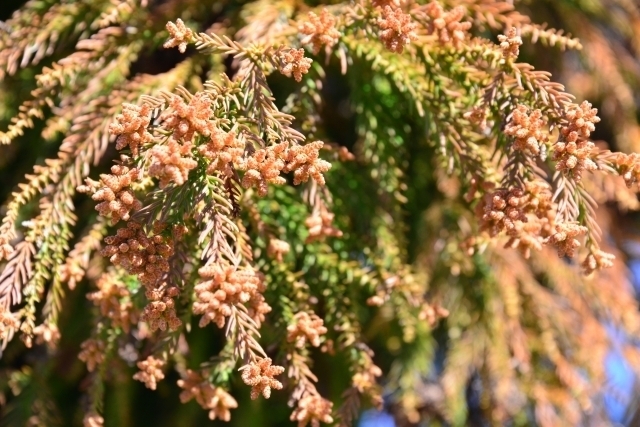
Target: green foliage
x,y
338,204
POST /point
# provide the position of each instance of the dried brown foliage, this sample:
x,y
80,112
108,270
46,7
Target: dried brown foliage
x,y
472,180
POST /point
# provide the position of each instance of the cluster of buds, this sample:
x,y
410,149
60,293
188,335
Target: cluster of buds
x,y
291,62
320,225
396,28
131,127
574,150
160,312
539,200
181,36
446,25
265,165
8,323
171,162
344,155
5,248
305,162
526,215
627,165
510,43
320,30
113,300
141,255
313,409
225,286
597,260
74,268
306,327
150,372
383,292
540,211
526,236
47,333
187,119
432,313
223,150
478,116
278,248
565,238
527,130
116,198
148,258
364,380
259,374
215,399
71,272
501,210
92,353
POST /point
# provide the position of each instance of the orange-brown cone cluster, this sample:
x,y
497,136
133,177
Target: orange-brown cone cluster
x,y
260,376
